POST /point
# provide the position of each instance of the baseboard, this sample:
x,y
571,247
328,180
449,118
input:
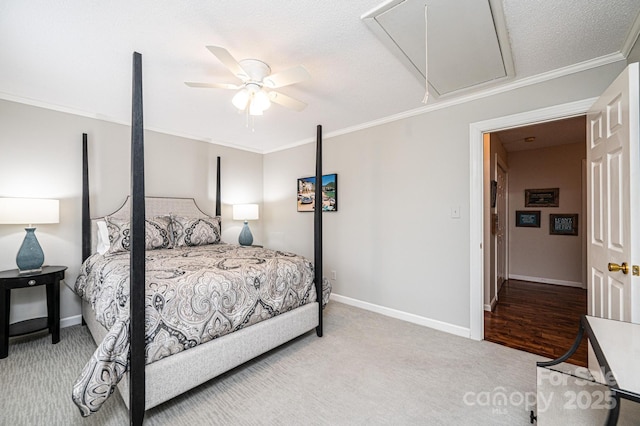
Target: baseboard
x,y
490,307
405,316
547,281
69,321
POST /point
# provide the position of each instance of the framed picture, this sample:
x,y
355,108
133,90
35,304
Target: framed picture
x,y
541,197
530,218
494,191
563,224
306,193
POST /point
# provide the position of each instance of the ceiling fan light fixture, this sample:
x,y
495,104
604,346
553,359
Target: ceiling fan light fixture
x,y
241,99
261,100
255,109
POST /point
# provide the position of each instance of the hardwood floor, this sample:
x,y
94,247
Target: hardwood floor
x,y
538,318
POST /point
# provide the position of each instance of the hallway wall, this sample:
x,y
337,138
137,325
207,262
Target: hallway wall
x,y
535,254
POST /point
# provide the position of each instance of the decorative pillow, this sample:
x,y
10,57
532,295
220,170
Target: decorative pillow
x,y
195,231
103,237
157,233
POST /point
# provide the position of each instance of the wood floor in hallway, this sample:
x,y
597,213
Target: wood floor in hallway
x,y
538,318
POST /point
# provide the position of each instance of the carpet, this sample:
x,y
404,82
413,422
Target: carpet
x,y
368,369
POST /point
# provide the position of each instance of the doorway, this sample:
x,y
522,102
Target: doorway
x,y
538,158
477,213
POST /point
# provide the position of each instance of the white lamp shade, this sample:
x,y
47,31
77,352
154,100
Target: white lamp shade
x,y
29,211
240,99
245,212
261,99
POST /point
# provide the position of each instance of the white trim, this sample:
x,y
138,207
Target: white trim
x,y
404,316
476,130
445,101
96,116
632,37
547,281
70,321
491,307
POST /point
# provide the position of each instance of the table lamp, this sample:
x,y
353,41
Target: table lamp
x,y
245,212
29,211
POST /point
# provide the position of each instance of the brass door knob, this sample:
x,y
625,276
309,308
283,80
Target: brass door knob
x,y
614,267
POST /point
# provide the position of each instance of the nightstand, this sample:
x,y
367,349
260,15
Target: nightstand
x,y
49,276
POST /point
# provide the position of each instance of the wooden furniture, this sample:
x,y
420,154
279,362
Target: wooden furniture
x,y
141,389
11,279
608,392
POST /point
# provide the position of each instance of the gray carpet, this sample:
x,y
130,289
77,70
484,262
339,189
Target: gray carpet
x,y
367,370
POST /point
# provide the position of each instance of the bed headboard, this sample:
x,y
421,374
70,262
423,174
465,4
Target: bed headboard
x,y
159,206
154,206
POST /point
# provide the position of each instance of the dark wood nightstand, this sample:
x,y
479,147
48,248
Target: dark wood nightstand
x,y
49,276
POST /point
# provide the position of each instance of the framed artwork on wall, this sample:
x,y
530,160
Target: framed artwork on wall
x,y
563,224
494,192
306,193
548,197
528,218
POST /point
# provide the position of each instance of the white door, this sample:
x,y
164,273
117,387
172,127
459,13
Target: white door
x,y
613,201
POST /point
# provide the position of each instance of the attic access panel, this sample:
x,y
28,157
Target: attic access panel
x,y
464,50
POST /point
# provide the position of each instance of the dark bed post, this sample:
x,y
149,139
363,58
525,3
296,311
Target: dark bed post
x,y
137,266
317,229
86,219
218,198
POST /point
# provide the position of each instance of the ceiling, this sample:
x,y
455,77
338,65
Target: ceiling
x,y
543,135
75,56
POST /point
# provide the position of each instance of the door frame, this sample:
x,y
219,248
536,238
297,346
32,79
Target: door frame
x,y
476,202
500,164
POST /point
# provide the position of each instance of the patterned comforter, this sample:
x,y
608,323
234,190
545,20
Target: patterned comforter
x,y
193,295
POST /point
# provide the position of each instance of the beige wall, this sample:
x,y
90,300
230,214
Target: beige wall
x,y
534,254
41,157
394,244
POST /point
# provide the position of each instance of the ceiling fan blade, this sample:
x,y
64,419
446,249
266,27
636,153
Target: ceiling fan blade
x,y
287,77
213,85
229,61
287,101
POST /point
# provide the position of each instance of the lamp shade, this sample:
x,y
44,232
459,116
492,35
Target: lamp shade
x,y
29,211
245,212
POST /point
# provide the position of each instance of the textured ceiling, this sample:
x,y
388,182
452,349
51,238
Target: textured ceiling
x,y
558,132
75,55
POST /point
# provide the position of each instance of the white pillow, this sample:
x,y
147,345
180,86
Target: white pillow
x,y
103,237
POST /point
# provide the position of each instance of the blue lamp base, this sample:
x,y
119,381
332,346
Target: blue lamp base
x,y
30,256
245,238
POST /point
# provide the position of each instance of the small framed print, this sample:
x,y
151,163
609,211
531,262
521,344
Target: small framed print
x,y
528,218
563,224
306,193
548,197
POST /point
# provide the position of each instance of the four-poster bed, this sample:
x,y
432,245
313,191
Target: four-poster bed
x,y
135,348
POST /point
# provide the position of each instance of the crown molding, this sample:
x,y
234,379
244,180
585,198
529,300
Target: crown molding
x,y
632,37
440,104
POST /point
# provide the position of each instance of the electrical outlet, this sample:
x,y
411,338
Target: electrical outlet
x,y
333,275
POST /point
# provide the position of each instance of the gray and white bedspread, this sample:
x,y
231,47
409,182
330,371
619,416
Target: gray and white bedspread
x,y
193,295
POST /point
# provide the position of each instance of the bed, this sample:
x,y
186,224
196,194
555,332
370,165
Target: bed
x,y
162,308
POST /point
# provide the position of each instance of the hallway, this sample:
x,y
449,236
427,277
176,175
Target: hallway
x,y
538,318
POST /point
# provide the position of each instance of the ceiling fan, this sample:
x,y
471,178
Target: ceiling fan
x,y
254,93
